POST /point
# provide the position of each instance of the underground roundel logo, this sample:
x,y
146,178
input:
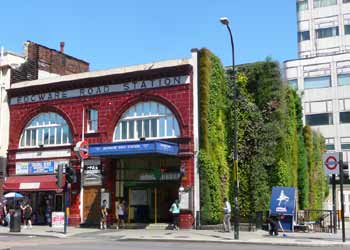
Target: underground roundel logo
x,y
82,149
331,163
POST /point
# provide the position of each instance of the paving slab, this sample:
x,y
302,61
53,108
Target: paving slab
x,y
258,237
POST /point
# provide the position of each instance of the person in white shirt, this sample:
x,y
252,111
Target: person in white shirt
x,y
227,216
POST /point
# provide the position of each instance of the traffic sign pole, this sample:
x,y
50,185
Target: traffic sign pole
x,y
342,195
334,204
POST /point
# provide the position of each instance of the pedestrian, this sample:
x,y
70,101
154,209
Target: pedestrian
x,y
2,214
104,213
273,224
121,214
175,211
27,214
227,216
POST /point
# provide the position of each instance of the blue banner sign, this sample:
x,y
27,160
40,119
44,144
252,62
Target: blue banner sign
x,y
47,167
282,201
134,148
38,167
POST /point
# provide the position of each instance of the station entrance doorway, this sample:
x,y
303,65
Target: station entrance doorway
x,y
148,185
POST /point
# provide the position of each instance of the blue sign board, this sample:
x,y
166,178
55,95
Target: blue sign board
x,y
47,167
282,201
134,148
283,204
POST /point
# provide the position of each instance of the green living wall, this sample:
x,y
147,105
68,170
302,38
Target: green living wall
x,y
273,147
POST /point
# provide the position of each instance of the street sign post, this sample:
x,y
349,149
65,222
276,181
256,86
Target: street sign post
x,y
331,163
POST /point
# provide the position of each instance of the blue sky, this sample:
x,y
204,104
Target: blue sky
x,y
112,33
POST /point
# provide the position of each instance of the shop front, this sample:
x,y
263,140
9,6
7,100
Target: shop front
x,y
36,181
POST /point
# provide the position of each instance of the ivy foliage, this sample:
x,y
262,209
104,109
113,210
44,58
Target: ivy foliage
x,y
273,146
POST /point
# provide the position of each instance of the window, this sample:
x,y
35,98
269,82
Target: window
x,y
327,32
317,82
347,28
319,119
303,36
92,123
324,3
293,83
46,129
148,120
302,5
330,144
346,1
344,117
343,79
345,143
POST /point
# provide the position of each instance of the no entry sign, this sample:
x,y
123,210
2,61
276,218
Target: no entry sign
x,y
331,163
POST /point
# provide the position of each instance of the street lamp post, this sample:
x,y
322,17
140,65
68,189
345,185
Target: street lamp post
x,y
225,21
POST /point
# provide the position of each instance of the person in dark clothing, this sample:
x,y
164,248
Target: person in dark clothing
x,y
27,214
273,222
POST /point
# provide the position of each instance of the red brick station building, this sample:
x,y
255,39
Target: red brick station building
x,y
141,126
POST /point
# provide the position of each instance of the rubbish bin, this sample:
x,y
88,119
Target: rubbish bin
x,y
15,220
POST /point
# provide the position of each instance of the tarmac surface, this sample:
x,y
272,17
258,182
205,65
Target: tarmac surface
x,y
260,237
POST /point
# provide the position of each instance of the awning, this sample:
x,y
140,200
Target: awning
x,y
134,148
31,183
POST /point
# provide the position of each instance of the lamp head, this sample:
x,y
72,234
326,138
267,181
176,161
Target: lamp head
x,y
224,20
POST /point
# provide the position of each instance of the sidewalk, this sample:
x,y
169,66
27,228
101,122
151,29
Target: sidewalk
x,y
259,237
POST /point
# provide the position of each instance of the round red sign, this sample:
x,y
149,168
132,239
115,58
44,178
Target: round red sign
x,y
82,149
331,163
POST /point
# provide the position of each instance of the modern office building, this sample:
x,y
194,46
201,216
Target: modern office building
x,y
321,74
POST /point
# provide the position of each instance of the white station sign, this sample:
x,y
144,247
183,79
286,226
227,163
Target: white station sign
x,y
331,163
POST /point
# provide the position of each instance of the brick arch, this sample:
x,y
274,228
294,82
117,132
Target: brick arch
x,y
145,98
43,109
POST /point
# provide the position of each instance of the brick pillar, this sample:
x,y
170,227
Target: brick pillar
x,y
186,218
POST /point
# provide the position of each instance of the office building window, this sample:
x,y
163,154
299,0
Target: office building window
x,y
343,79
319,119
303,36
327,32
330,144
302,5
317,82
92,124
344,117
324,3
345,143
293,83
347,28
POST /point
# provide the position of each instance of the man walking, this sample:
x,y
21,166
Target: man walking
x,y
227,216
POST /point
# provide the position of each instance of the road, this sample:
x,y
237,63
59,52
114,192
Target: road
x,y
40,243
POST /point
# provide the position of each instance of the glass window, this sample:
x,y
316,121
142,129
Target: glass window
x,y
303,36
345,146
319,119
347,28
293,83
302,5
324,3
151,120
317,82
343,79
330,147
327,32
344,117
92,120
46,129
